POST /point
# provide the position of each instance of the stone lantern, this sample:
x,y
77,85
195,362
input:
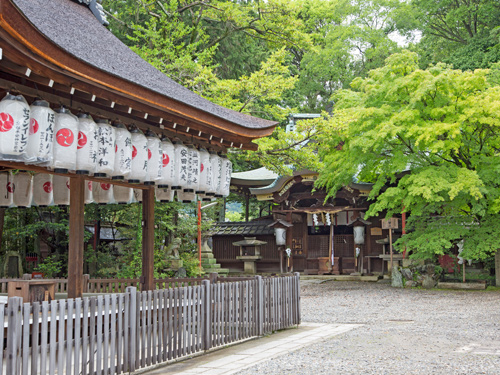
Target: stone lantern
x,y
249,253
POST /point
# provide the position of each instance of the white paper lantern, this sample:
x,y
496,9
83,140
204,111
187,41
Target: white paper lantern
x,y
181,156
164,194
280,235
42,189
225,178
106,149
88,198
216,168
61,191
87,145
193,169
168,177
102,192
123,194
359,235
6,189
14,127
155,158
139,170
41,134
205,172
65,141
23,189
186,197
123,152
138,195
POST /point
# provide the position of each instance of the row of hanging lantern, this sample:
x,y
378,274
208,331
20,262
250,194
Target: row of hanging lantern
x,y
64,142
24,189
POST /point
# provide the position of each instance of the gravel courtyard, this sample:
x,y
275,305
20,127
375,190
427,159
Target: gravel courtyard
x,y
404,331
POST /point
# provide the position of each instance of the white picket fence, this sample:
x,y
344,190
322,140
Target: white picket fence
x,y
120,333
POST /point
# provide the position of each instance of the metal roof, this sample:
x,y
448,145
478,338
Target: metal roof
x,y
255,177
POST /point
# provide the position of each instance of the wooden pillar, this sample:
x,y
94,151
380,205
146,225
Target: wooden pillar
x,y
289,239
247,205
76,240
148,236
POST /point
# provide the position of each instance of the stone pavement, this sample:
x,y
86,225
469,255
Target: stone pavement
x,y
230,360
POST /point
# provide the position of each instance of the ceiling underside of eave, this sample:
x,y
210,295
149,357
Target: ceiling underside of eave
x,y
78,92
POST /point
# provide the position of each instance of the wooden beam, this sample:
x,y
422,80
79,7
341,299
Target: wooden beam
x,y
76,240
148,236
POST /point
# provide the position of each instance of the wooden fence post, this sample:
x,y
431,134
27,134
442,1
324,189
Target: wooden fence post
x,y
14,333
207,324
213,277
260,305
86,278
132,327
297,296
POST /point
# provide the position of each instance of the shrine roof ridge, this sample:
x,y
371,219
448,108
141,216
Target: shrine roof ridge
x,y
72,27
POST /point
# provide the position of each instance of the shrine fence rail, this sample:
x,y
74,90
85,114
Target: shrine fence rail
x,y
109,285
125,332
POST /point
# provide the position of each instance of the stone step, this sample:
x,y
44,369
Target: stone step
x,y
214,265
208,261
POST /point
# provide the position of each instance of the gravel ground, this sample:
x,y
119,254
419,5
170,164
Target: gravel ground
x,y
405,331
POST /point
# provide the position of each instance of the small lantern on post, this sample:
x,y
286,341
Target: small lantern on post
x,y
359,231
390,223
280,226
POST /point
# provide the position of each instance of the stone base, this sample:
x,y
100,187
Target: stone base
x,y
175,263
469,286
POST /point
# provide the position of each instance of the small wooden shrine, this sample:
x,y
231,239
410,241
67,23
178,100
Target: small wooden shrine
x,y
325,237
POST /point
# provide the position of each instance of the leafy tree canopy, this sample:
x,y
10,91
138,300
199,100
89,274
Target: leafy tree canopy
x,y
428,140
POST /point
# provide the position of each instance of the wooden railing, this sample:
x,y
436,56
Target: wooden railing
x,y
120,333
108,285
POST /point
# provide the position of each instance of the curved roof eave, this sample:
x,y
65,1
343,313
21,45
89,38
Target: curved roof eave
x,y
68,35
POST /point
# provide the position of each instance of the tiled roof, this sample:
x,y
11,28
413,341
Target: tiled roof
x,y
252,228
74,28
